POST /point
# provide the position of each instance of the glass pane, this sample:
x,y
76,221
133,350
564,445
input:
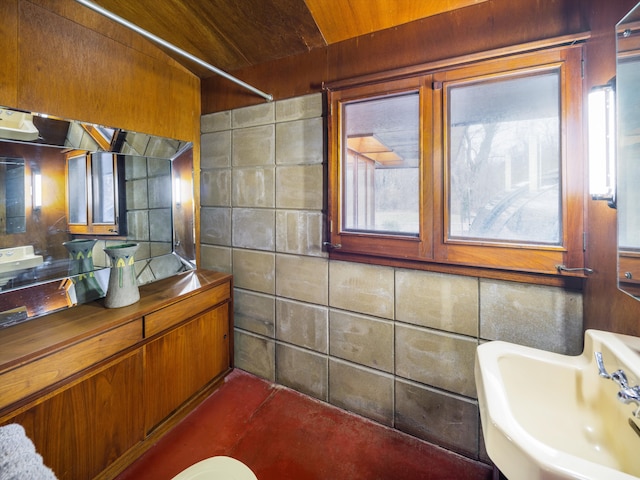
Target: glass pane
x,y
628,201
102,183
504,160
77,177
380,165
13,202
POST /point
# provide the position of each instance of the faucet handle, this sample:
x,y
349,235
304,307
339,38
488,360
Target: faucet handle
x,y
626,394
618,376
601,370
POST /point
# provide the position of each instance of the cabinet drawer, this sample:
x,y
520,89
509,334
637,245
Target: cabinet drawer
x,y
46,371
160,320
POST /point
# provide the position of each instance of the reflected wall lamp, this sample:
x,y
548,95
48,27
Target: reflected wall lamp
x,y
177,191
602,143
36,190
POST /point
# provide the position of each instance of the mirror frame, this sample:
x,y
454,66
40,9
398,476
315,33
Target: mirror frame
x,y
29,301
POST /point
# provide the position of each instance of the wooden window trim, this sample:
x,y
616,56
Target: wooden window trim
x,y
358,242
432,251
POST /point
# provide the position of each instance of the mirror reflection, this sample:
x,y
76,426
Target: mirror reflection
x,y
628,138
12,192
68,190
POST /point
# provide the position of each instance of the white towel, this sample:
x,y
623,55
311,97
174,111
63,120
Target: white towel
x,y
18,457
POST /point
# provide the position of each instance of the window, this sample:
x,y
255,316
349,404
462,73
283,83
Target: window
x,y
504,160
94,193
381,164
77,197
477,166
103,189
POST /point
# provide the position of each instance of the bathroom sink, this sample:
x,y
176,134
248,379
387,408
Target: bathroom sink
x,y
18,258
551,416
17,126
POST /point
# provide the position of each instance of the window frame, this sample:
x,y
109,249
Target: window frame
x,y
432,250
92,226
377,244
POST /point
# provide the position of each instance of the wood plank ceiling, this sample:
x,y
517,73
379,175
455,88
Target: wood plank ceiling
x,y
233,34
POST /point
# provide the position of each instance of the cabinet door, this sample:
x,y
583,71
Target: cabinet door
x,y
84,428
183,361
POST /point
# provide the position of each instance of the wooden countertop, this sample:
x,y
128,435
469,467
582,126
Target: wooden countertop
x,y
33,339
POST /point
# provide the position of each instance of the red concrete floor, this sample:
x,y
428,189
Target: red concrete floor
x,y
284,435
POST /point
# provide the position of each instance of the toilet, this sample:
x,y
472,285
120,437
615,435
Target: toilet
x,y
217,468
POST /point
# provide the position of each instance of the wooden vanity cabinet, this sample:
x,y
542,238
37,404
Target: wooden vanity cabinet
x,y
82,429
95,387
181,360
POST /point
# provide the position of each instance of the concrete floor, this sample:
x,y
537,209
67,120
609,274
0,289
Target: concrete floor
x,y
281,434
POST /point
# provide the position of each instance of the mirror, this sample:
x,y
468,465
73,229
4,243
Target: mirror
x,y
628,150
54,232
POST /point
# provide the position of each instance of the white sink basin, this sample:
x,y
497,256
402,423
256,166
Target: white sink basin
x,y
17,125
551,416
18,258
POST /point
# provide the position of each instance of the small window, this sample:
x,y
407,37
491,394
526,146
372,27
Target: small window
x,y
381,154
103,188
474,166
505,160
77,196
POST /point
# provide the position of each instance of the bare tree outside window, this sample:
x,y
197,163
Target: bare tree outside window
x,y
504,163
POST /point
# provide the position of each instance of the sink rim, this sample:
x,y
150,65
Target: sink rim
x,y
507,442
15,259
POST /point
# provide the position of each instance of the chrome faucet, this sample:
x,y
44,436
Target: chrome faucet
x,y
627,394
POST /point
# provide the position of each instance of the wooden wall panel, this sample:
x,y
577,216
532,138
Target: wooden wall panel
x,y
284,78
88,68
478,28
9,35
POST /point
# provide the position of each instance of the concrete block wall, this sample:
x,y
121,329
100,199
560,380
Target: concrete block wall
x,y
149,215
394,345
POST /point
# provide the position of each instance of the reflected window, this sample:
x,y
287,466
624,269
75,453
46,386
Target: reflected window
x,y
77,189
95,193
103,188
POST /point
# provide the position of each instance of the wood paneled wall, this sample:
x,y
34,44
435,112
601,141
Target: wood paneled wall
x,y
485,26
490,25
63,59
